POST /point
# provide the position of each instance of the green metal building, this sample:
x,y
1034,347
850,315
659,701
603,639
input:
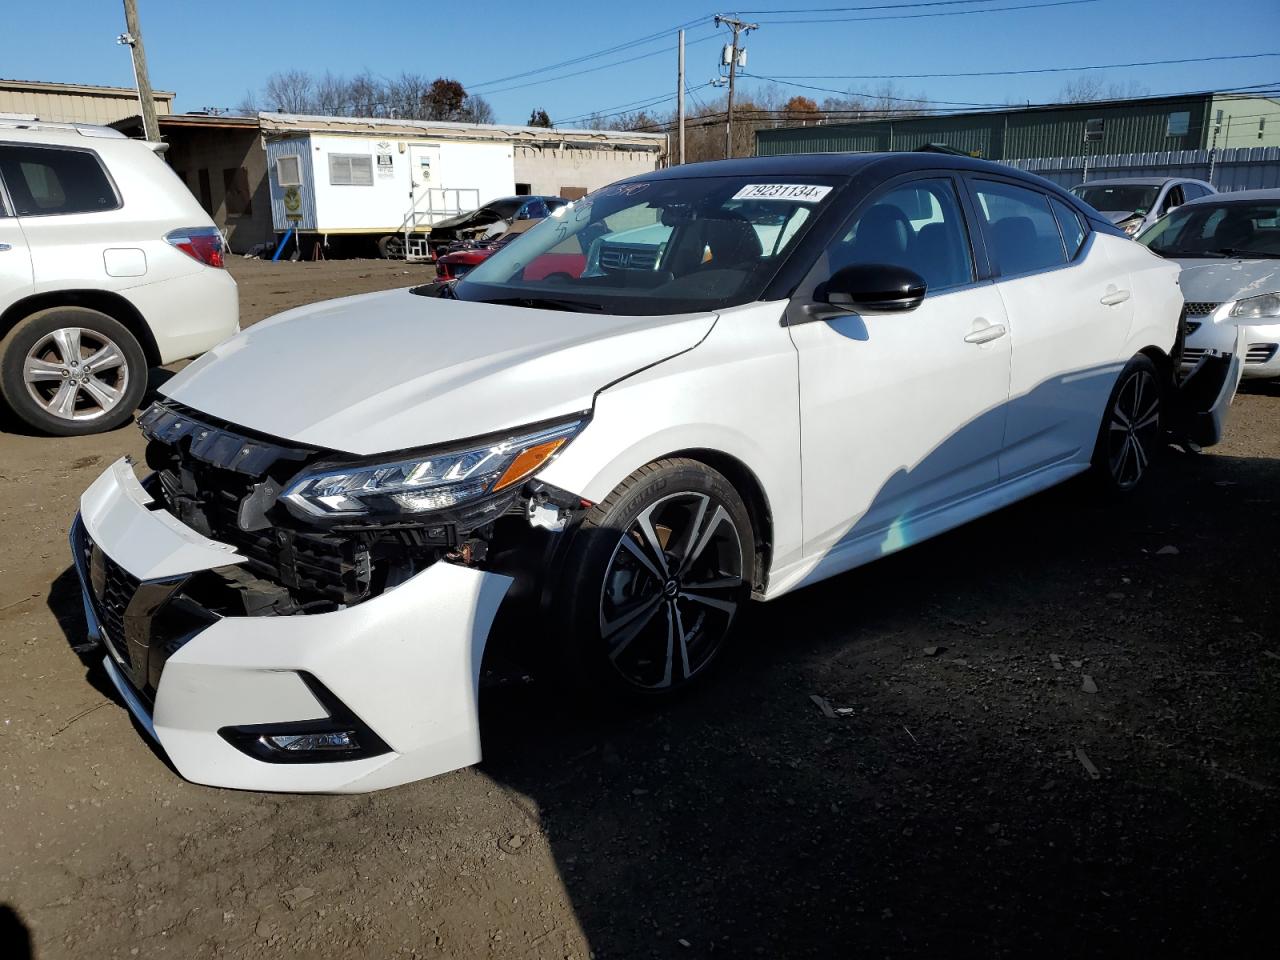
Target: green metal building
x,y
1145,125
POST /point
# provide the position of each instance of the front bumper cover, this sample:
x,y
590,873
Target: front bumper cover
x,y
405,663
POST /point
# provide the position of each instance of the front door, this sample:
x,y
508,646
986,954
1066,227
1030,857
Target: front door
x,y
424,180
902,414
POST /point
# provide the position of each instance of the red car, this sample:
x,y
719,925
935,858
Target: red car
x,y
454,266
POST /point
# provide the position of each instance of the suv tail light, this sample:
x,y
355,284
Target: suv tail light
x,y
199,243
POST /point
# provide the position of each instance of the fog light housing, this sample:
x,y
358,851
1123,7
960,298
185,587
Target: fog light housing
x,y
339,736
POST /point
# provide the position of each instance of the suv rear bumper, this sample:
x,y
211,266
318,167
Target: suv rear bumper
x,y
403,666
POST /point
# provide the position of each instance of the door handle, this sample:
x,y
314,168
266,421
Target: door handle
x,y
4,247
1114,296
992,331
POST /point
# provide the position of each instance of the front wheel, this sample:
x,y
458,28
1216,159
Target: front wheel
x,y
656,578
1130,437
70,371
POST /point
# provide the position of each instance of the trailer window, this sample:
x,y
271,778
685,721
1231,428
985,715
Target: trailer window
x,y
289,171
350,170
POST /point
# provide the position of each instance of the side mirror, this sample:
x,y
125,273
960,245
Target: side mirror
x,y
874,287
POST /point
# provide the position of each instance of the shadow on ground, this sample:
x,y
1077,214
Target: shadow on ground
x,y
952,811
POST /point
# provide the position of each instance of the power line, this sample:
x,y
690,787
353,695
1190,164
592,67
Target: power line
x,y
920,16
870,6
1010,73
607,66
639,41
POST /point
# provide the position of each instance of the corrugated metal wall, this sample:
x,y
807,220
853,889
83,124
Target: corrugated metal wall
x,y
71,107
1236,168
1127,127
282,219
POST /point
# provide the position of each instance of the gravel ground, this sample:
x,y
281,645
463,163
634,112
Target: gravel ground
x,y
1055,735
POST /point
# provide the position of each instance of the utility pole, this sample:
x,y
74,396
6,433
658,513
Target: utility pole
x,y
680,94
146,99
733,52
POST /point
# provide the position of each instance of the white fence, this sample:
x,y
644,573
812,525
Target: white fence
x,y
1233,168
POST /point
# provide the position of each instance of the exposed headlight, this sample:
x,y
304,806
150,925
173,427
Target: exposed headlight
x,y
433,480
1265,307
1132,226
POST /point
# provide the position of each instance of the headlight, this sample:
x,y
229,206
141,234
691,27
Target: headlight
x,y
427,482
1132,226
1265,307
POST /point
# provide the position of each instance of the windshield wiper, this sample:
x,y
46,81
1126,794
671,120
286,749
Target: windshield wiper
x,y
549,303
1244,254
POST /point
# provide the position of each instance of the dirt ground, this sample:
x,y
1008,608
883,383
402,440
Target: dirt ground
x,y
1062,742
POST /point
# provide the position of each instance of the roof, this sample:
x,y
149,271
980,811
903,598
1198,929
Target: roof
x,y
87,89
1131,181
290,122
190,121
1271,195
49,131
833,165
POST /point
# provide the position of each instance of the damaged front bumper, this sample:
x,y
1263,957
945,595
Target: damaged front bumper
x,y
359,698
1212,362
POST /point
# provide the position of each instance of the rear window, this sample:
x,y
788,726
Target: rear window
x,y
44,181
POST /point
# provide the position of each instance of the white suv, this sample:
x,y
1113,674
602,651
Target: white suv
x,y
108,266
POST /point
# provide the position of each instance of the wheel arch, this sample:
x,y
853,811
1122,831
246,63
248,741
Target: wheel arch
x,y
104,301
749,487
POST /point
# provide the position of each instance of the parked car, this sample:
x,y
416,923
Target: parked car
x,y
455,260
300,595
108,266
1229,248
490,220
1134,203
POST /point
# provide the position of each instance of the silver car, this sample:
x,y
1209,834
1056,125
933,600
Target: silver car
x,y
1229,248
1135,203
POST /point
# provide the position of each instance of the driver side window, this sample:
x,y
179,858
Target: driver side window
x,y
917,225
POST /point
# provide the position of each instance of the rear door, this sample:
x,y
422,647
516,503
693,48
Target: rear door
x,y
15,257
1069,312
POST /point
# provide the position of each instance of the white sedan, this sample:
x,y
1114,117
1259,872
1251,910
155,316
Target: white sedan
x,y
807,363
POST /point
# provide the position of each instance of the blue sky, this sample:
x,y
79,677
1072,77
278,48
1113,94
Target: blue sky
x,y
212,53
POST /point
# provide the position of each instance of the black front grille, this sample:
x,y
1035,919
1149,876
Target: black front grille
x,y
112,589
1261,352
224,483
1201,308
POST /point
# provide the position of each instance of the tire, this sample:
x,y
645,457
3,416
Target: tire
x,y
391,247
1131,435
44,382
654,579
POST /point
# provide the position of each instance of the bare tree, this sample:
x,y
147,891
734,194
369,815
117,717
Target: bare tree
x,y
476,109
291,91
1093,86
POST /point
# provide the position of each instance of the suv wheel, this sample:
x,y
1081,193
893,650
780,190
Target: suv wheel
x,y
70,371
657,575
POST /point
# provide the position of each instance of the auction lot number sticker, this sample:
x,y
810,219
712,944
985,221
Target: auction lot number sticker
x,y
795,192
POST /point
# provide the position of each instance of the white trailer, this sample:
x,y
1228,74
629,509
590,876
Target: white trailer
x,y
387,190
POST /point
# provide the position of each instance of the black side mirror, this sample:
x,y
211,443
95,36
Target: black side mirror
x,y
875,287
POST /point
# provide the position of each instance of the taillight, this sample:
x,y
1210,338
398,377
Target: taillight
x,y
199,243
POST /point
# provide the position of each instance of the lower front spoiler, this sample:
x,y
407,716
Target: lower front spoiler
x,y
405,663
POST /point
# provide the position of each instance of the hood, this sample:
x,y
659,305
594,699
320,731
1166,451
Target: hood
x,y
394,370
1217,280
1115,216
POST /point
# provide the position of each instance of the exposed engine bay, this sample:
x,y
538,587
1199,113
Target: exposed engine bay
x,y
225,483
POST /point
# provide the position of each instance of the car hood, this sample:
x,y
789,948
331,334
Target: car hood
x,y
394,370
1115,216
1217,280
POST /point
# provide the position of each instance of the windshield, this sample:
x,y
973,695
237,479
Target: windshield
x,y
1237,229
660,247
1118,198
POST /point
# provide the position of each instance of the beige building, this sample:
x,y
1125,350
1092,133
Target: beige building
x,y
74,102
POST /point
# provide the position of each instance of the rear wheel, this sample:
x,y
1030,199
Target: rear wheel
x,y
70,371
657,576
1130,438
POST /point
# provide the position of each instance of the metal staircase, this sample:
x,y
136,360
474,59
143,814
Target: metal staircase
x,y
430,206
